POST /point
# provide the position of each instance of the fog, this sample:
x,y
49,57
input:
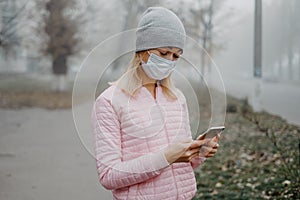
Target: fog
x,y
231,44
280,88
51,52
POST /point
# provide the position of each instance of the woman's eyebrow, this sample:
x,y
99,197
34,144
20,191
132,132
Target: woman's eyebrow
x,y
179,51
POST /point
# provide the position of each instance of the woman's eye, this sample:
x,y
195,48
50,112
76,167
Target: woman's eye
x,y
176,56
163,53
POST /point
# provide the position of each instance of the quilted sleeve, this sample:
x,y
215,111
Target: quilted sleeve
x,y
196,161
112,171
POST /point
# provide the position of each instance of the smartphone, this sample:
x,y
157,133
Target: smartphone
x,y
212,132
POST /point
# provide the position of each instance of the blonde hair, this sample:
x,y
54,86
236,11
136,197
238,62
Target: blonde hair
x,y
130,82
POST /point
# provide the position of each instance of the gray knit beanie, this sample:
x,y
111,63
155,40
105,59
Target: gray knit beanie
x,y
159,27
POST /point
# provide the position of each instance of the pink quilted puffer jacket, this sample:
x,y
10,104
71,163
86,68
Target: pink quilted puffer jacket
x,y
130,136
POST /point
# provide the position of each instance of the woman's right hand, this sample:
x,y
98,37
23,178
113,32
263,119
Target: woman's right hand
x,y
183,151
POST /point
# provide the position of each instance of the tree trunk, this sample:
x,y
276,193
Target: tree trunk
x,y
290,62
59,83
203,56
280,70
299,64
59,64
59,68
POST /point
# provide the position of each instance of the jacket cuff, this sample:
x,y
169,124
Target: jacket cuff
x,y
159,161
197,161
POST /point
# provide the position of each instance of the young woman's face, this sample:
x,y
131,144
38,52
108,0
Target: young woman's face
x,y
170,53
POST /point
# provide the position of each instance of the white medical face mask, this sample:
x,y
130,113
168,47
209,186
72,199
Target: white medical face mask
x,y
157,67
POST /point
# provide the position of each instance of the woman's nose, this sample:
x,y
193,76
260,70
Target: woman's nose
x,y
171,57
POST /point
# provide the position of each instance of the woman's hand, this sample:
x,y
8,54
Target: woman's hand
x,y
210,148
183,151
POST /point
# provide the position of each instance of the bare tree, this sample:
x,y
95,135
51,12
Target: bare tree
x,y
292,24
61,31
10,15
282,27
202,27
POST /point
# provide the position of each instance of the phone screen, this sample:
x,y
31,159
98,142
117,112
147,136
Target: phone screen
x,y
213,131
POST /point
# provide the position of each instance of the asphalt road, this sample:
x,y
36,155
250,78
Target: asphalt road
x,y
41,157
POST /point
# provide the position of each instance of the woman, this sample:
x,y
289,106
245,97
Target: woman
x,y
143,143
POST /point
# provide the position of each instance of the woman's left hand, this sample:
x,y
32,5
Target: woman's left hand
x,y
210,149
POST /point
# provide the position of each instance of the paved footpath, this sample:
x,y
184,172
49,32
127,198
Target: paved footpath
x,y
41,157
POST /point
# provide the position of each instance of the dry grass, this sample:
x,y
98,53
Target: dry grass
x,y
49,100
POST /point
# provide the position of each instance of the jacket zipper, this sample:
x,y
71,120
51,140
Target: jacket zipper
x,y
172,169
156,92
